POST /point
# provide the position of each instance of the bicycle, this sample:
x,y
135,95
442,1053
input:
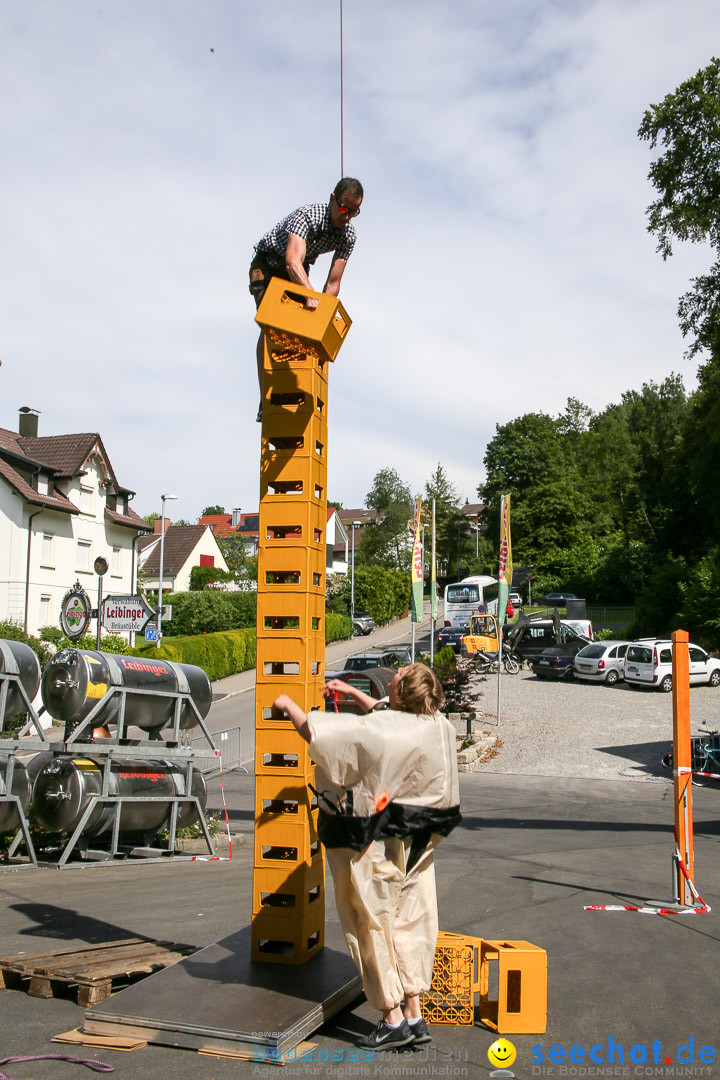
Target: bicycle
x,y
704,756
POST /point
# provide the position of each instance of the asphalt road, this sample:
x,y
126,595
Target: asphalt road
x,y
234,698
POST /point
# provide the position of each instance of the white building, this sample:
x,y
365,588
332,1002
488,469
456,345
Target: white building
x,y
61,507
185,546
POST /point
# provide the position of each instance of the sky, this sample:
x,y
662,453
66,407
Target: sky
x,y
502,264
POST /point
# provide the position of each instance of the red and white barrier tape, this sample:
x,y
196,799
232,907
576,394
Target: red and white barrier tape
x,y
685,770
645,910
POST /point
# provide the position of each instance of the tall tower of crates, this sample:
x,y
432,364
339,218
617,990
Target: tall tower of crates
x,y
288,913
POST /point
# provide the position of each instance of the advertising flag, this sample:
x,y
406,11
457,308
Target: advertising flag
x,y
433,573
506,571
416,575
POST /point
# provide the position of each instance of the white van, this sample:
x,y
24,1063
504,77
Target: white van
x,y
649,662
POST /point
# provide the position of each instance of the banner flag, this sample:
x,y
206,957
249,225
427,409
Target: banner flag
x,y
433,573
416,573
506,569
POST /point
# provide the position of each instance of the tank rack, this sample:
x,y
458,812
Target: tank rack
x,y
12,688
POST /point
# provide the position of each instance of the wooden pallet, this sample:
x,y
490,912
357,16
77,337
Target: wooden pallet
x,y
94,970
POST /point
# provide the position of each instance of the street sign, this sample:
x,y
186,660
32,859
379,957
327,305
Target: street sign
x,y
166,612
126,613
151,633
75,612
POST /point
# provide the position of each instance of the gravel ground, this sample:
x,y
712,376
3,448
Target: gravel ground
x,y
584,730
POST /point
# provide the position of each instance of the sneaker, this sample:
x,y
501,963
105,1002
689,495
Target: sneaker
x,y
419,1032
385,1037
258,418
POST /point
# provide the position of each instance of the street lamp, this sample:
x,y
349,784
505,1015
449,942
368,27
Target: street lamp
x,y
353,526
162,560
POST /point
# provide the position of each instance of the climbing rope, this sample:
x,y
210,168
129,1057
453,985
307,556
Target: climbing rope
x,y
96,1066
342,118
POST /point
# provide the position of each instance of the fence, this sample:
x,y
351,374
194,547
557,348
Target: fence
x,y
229,743
615,617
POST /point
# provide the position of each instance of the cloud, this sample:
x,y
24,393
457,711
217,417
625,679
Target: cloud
x,y
502,265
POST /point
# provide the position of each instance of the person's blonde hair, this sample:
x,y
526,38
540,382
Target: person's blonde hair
x,y
419,691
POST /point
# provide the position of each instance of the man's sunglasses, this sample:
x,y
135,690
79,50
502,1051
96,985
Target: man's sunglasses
x,y
345,210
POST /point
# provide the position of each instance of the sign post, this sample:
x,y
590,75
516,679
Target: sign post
x,y
122,613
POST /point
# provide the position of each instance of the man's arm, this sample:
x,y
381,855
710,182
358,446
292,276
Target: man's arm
x,y
294,257
337,269
282,704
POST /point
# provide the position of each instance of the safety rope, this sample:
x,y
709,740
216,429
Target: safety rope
x,y
342,119
96,1066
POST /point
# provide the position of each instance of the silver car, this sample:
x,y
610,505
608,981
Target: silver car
x,y
603,661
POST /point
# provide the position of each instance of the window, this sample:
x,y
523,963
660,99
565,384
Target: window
x,y
86,499
83,556
120,504
47,557
43,484
44,611
207,560
697,655
116,562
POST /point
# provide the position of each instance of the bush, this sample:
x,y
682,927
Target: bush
x,y
384,594
201,576
221,654
110,643
337,627
209,611
14,631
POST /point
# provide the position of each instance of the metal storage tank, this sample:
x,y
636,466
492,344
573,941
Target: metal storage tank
x,y
18,655
64,787
74,680
9,817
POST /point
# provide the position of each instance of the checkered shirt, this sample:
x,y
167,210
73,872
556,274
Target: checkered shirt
x,y
312,224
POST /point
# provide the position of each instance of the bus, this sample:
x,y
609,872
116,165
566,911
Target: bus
x,y
466,597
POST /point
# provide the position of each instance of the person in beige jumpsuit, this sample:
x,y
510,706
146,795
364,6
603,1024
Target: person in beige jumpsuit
x,y
388,793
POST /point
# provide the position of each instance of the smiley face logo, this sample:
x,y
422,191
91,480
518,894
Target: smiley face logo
x,y
502,1053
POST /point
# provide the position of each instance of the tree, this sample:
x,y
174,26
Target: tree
x,y
687,176
242,566
387,541
213,511
452,528
151,518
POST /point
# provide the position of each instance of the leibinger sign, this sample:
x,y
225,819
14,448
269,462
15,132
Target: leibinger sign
x,y
613,1058
126,613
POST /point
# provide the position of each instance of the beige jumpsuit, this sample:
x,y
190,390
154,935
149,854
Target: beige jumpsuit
x,y
388,915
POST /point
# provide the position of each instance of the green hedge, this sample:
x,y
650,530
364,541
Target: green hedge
x,y
224,653
337,627
209,611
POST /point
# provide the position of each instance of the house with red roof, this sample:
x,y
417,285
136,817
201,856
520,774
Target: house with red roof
x,y
185,546
61,506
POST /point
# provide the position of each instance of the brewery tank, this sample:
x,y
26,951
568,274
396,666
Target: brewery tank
x,y
17,658
20,786
65,785
75,680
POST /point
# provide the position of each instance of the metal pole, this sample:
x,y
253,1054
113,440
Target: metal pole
x,y
160,583
352,573
500,636
162,567
99,615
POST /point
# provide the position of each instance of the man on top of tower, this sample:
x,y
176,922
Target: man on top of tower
x,y
290,249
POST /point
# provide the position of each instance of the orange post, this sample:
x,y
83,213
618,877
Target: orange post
x,y
682,761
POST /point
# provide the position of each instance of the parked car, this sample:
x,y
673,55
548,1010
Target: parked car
x,y
603,661
373,681
515,599
450,635
362,623
529,636
403,654
555,662
557,599
648,662
374,658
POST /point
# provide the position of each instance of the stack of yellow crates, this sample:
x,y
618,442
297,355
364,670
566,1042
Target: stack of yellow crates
x,y
288,879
